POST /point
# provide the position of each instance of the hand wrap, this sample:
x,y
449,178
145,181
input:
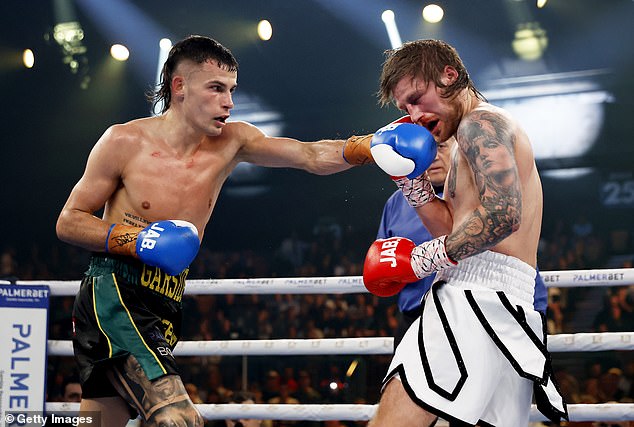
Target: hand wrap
x,y
431,256
418,191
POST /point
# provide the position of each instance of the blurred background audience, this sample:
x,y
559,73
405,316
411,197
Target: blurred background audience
x,y
589,377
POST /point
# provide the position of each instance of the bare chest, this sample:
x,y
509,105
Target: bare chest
x,y
460,191
157,186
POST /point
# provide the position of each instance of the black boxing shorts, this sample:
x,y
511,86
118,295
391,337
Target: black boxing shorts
x,y
125,308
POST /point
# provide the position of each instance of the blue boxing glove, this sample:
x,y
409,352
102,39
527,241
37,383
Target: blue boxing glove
x,y
169,245
403,149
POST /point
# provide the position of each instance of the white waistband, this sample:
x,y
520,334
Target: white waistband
x,y
495,271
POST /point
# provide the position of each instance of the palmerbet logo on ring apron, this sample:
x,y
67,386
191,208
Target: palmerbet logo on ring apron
x,y
23,339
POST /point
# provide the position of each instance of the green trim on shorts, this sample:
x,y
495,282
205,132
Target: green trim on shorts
x,y
118,326
130,269
134,271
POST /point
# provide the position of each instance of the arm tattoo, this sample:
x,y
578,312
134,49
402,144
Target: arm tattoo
x,y
488,143
453,173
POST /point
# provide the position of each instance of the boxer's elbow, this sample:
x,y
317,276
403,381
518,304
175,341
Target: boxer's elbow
x,y
67,225
62,227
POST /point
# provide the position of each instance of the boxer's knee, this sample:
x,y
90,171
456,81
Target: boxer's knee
x,y
397,408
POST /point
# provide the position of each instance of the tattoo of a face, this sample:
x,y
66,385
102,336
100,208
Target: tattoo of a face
x,y
165,387
488,143
162,402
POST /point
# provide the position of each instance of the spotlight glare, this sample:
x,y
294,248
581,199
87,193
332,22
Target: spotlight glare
x,y
265,30
119,52
530,41
333,385
433,13
541,3
389,20
387,16
28,58
165,44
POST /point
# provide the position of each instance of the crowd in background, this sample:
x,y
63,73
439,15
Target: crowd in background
x,y
331,250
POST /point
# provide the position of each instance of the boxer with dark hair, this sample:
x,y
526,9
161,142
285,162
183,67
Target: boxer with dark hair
x,y
157,180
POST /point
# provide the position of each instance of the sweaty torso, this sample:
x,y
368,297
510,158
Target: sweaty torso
x,y
157,183
463,196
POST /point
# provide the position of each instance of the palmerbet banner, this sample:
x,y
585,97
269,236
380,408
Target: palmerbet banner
x,y
23,336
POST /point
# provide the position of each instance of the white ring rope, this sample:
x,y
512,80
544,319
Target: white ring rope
x,y
356,412
359,346
346,284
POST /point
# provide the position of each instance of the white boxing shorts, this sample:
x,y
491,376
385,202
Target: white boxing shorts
x,y
478,351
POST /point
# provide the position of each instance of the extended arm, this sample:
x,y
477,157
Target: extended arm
x,y
322,157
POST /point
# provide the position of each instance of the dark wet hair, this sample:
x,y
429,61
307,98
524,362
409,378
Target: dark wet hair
x,y
425,59
193,48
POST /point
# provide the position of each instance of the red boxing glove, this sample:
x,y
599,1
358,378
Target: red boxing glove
x,y
387,268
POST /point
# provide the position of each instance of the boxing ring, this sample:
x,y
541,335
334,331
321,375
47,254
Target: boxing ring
x,y
578,342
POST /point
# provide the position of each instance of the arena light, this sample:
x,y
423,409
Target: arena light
x,y
389,20
568,173
433,13
530,41
550,105
121,21
69,36
265,30
28,58
119,52
541,3
352,368
165,45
